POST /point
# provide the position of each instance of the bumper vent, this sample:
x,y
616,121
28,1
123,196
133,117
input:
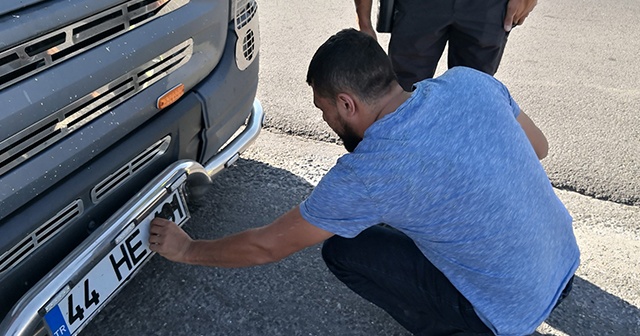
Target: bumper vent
x,y
248,32
245,11
248,45
113,181
41,235
37,137
41,53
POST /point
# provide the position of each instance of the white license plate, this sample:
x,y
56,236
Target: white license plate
x,y
105,278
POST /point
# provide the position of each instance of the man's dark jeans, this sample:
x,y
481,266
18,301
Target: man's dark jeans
x,y
385,267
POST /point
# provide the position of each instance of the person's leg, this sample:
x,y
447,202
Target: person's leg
x,y
418,38
385,267
565,292
477,38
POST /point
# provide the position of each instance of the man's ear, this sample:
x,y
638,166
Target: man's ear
x,y
347,105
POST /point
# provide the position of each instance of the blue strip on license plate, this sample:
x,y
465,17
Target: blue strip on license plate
x,y
56,323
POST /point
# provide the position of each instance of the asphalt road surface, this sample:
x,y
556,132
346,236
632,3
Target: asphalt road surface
x,y
299,296
573,67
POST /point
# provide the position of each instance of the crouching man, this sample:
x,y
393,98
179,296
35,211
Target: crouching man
x,y
475,240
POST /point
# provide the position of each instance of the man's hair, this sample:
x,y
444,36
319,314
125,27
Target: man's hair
x,y
351,61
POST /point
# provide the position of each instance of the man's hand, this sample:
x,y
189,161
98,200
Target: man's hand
x,y
369,31
517,12
169,240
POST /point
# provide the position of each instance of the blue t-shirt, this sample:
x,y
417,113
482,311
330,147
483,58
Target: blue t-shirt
x,y
454,171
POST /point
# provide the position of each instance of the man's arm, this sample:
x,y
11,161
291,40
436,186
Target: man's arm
x,y
535,135
286,235
363,10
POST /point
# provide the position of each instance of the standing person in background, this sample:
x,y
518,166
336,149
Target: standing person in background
x,y
476,30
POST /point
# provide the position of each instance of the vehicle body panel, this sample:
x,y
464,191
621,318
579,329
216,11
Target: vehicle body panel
x,y
79,125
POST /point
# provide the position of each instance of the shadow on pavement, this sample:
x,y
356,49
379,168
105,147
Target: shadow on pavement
x,y
589,310
295,296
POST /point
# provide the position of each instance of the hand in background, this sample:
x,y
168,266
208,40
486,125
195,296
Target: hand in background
x,y
517,12
369,31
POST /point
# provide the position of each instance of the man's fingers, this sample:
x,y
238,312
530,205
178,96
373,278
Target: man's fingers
x,y
155,239
508,23
158,232
155,248
520,21
160,225
168,239
517,12
512,8
160,222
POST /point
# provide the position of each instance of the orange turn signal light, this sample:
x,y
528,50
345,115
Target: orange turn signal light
x,y
170,96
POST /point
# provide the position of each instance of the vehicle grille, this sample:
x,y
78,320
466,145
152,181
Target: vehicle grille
x,y
40,53
44,133
29,244
113,181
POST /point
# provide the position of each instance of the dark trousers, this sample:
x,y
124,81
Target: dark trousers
x,y
422,28
385,267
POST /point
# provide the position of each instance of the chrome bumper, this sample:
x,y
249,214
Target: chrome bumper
x,y
25,319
